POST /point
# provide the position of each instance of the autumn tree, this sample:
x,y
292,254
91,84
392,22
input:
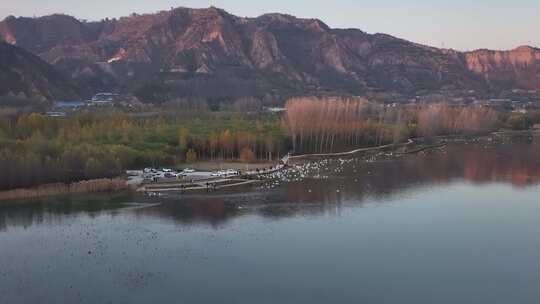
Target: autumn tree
x,y
247,155
191,156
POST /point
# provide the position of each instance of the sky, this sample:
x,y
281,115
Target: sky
x,y
458,24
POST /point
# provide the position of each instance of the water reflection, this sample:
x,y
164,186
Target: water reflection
x,y
356,184
55,211
515,164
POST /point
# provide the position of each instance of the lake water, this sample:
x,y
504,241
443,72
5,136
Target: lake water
x,y
459,225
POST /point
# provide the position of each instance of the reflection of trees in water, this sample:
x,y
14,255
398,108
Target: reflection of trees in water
x,y
52,212
516,164
213,211
217,211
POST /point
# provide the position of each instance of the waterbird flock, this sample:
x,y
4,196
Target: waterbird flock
x,y
320,169
323,169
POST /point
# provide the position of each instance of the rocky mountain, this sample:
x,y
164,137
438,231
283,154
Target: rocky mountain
x,y
519,68
26,75
209,52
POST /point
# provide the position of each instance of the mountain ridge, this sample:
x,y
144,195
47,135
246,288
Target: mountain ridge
x,y
26,75
209,52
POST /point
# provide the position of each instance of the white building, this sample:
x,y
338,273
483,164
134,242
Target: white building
x,y
103,98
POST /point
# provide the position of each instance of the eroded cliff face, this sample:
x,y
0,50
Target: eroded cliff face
x,y
210,52
519,68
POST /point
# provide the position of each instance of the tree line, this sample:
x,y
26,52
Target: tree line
x,y
334,124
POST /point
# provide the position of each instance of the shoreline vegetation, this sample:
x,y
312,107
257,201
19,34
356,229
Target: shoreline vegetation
x,y
121,183
86,186
36,149
412,146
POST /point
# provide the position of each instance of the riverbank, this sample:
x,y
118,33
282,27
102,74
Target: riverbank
x,y
412,146
251,172
207,181
88,186
122,183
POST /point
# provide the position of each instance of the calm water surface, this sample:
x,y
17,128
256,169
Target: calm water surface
x,y
454,226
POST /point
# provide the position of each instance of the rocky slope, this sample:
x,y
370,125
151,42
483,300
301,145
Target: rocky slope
x,y
519,68
26,75
208,52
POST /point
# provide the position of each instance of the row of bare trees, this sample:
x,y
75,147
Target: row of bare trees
x,y
332,124
316,124
441,118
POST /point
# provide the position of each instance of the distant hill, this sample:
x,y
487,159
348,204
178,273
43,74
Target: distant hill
x,y
209,52
24,74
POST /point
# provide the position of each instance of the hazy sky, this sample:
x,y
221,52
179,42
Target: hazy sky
x,y
459,24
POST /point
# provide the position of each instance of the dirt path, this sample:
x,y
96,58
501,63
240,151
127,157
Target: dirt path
x,y
348,153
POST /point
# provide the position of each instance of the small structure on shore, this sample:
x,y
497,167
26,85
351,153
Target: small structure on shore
x,y
103,99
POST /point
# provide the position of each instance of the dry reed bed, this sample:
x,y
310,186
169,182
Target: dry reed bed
x,y
88,186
